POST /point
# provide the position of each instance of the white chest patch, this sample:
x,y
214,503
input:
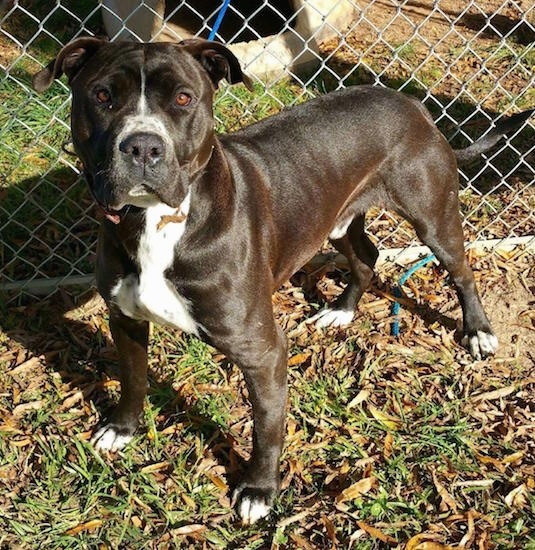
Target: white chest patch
x,y
150,296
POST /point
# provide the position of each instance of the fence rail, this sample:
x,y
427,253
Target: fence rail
x,y
469,62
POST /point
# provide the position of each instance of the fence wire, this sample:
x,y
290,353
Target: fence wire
x,y
469,62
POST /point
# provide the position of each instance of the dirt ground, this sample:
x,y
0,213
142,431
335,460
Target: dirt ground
x,y
506,282
511,306
58,374
420,38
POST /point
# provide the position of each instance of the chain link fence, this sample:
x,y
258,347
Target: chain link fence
x,y
469,62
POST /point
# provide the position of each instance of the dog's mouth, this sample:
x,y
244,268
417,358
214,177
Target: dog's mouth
x,y
139,196
113,215
142,196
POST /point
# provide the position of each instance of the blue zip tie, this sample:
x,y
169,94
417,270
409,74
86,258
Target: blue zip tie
x,y
396,306
219,19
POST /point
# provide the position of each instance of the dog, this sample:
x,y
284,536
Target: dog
x,y
199,230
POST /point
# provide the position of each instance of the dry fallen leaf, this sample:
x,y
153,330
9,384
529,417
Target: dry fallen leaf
x,y
301,542
178,217
514,457
298,359
136,521
426,541
22,409
93,524
447,499
494,394
72,400
376,533
188,501
359,398
331,530
388,445
359,488
430,545
468,539
21,442
28,365
518,497
189,529
484,459
154,467
389,421
218,482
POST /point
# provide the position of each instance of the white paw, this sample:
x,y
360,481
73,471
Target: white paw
x,y
481,344
108,439
252,509
332,318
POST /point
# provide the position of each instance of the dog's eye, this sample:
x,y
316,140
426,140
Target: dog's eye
x,y
103,95
182,99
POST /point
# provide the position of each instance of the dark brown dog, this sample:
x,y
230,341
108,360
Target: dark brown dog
x,y
201,229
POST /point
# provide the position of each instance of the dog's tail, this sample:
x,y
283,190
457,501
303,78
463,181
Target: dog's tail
x,y
492,137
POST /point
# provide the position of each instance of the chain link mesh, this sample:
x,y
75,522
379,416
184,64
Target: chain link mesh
x,y
469,62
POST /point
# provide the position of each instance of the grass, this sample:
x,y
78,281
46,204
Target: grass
x,y
389,442
34,128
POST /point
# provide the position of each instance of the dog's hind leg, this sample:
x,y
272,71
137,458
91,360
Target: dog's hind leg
x,y
440,228
361,255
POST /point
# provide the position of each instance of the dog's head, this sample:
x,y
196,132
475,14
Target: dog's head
x,y
141,118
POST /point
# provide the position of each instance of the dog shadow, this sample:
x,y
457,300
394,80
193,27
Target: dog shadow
x,y
308,278
68,335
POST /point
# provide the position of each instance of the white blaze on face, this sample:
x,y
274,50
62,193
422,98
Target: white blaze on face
x,y
143,120
142,103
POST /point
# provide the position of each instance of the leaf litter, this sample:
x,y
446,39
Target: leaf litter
x,y
404,442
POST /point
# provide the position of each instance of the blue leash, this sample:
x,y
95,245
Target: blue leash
x,y
397,291
219,19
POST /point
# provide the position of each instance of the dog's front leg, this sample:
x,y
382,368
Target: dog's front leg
x,y
131,338
264,366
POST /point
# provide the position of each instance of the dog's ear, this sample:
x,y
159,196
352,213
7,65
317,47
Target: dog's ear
x,y
69,61
218,61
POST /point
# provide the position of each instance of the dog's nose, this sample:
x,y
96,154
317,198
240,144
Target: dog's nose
x,y
143,148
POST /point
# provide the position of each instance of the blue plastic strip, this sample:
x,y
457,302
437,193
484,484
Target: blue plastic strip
x,y
397,291
219,19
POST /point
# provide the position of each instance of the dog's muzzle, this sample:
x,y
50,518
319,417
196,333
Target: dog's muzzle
x,y
143,152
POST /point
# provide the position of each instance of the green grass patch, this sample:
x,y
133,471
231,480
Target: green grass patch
x,y
405,437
